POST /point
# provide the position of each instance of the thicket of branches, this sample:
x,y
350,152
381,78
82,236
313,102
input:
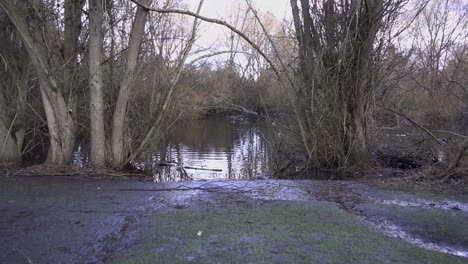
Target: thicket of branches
x,y
343,78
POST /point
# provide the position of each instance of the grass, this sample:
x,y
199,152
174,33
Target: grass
x,y
273,232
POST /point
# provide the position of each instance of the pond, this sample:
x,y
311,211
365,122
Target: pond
x,y
234,147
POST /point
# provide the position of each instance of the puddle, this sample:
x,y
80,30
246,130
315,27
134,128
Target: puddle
x,y
436,225
427,223
395,220
393,230
445,205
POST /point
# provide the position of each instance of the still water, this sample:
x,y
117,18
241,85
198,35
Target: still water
x,y
216,148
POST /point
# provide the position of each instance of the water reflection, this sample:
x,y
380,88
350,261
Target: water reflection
x,y
218,148
80,155
215,148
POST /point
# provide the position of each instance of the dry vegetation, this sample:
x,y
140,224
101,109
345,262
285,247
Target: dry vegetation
x,y
348,83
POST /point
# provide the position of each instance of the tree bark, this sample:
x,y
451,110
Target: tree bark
x,y
10,150
120,112
97,155
10,147
61,126
73,10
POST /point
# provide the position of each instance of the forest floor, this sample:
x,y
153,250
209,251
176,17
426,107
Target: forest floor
x,y
47,219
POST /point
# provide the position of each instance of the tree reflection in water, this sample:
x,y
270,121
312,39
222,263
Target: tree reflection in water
x,y
234,147
219,148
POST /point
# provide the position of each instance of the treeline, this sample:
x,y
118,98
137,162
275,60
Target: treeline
x,y
110,69
335,75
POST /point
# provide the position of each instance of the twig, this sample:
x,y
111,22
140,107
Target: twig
x,y
412,20
440,142
450,132
215,54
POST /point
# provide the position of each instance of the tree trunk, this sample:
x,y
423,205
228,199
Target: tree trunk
x,y
98,139
120,112
61,127
10,150
13,128
73,10
59,115
356,147
335,59
10,146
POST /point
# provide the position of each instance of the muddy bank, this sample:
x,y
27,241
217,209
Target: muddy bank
x,y
63,220
72,220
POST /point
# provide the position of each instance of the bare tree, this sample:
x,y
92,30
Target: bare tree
x,y
120,112
43,45
338,57
175,79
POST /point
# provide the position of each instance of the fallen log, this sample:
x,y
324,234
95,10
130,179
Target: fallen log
x,y
173,163
204,169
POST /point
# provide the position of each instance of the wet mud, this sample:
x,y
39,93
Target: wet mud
x,y
74,220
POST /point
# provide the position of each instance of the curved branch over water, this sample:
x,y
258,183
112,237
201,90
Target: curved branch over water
x,y
249,41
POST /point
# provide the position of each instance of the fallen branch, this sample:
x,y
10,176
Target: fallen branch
x,y
440,142
173,163
203,169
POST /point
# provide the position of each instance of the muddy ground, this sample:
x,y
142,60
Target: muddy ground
x,y
82,220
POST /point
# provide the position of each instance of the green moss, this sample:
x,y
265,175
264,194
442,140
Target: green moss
x,y
276,232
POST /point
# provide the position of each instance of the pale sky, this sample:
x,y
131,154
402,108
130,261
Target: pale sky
x,y
221,9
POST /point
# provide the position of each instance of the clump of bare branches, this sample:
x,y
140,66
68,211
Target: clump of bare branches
x,y
339,47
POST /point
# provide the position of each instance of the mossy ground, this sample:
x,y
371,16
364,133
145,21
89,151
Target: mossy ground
x,y
270,232
437,226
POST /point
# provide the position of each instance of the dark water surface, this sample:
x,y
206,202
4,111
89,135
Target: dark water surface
x,y
234,147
